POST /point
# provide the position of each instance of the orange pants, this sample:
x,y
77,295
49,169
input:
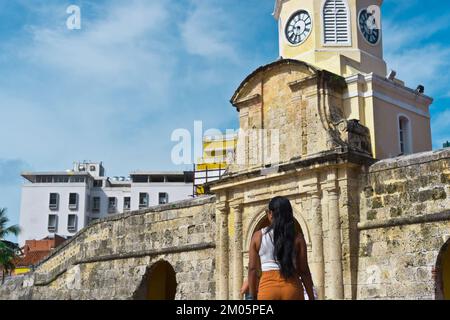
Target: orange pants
x,y
272,286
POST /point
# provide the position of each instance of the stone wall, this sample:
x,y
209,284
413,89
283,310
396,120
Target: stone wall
x,y
112,258
405,221
373,232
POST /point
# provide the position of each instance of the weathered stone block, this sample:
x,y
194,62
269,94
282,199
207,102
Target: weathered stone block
x,y
426,195
439,194
379,189
377,203
368,192
445,178
372,215
395,212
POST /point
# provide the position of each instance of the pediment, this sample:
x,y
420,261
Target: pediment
x,y
250,89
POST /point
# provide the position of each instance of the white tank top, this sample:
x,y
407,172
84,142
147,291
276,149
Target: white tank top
x,y
266,252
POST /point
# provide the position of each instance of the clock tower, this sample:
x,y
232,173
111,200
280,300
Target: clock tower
x,y
341,36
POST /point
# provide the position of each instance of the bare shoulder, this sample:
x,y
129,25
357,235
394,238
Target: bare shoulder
x,y
256,239
257,236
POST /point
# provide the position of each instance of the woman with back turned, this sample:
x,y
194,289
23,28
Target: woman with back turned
x,y
281,254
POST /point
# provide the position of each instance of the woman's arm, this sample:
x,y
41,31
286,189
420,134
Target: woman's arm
x,y
303,267
254,265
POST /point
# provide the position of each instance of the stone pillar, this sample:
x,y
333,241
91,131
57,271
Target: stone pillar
x,y
238,262
317,265
335,243
222,265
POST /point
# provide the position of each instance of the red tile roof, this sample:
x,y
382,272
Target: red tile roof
x,y
35,251
45,244
32,258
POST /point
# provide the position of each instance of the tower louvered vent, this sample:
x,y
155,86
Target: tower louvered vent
x,y
336,22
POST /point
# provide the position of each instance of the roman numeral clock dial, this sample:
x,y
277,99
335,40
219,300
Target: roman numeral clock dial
x,y
369,27
298,27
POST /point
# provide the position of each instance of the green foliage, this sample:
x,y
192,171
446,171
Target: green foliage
x,y
6,231
8,250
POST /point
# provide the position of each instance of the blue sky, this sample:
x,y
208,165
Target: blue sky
x,y
138,69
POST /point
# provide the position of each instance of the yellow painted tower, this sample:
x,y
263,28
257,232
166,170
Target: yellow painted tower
x,y
344,37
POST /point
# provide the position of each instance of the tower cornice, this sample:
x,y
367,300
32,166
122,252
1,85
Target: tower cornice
x,y
277,9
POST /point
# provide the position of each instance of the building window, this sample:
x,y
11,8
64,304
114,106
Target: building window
x,y
140,179
61,179
77,179
112,205
73,201
98,183
143,200
54,201
52,223
92,168
126,204
336,22
72,223
404,133
163,198
44,179
96,205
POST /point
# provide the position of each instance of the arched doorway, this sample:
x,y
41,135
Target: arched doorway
x,y
159,283
443,273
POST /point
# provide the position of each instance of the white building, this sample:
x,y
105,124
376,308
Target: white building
x,y
64,202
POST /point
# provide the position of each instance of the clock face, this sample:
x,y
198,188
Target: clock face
x,y
369,27
298,27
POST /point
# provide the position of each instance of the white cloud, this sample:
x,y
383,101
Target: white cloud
x,y
414,55
112,90
423,65
400,35
123,49
419,57
206,32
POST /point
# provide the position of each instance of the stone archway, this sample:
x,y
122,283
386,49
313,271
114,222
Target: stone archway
x,y
443,273
159,283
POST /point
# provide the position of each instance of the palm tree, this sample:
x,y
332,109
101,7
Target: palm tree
x,y
8,250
